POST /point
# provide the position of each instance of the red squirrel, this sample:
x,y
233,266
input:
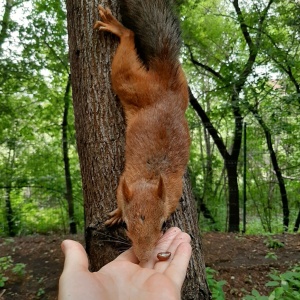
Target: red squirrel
x,y
149,81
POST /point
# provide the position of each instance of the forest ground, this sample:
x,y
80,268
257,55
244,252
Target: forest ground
x,y
240,260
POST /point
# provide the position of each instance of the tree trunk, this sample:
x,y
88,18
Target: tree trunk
x,y
99,126
100,130
65,146
186,218
283,193
9,212
233,191
231,164
297,223
276,168
208,166
5,22
230,161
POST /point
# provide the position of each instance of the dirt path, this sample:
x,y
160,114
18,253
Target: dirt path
x,y
240,260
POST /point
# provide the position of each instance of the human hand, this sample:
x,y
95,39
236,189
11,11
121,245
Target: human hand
x,y
124,278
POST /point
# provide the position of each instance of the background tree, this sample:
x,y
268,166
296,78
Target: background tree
x,y
232,62
34,76
233,78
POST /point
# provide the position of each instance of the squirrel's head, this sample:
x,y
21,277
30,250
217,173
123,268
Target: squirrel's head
x,y
144,214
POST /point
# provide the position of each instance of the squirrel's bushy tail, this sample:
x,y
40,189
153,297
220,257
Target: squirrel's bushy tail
x,y
156,28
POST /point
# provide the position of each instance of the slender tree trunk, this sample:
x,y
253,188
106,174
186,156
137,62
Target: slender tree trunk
x,y
208,177
208,164
297,223
233,191
276,168
283,193
100,130
9,212
206,213
65,146
5,22
230,161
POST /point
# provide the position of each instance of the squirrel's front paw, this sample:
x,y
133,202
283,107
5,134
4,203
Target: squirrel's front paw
x,y
115,217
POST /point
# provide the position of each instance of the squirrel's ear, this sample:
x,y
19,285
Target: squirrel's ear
x,y
126,191
161,192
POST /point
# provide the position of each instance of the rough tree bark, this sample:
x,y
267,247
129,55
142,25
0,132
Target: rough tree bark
x,y
100,128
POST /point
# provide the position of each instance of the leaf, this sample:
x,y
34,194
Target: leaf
x,y
272,283
275,277
255,293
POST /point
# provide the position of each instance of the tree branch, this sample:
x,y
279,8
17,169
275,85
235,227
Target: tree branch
x,y
205,67
288,69
209,126
243,25
253,48
65,65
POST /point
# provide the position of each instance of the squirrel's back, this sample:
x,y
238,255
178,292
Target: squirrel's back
x,y
156,28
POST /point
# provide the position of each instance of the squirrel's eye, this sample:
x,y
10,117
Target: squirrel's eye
x,y
142,218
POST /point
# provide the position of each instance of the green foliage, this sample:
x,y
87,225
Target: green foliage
x,y
34,73
215,54
273,243
256,295
7,265
40,292
216,287
271,255
19,269
286,286
3,279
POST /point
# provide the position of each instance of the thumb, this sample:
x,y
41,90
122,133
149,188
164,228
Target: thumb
x,y
75,256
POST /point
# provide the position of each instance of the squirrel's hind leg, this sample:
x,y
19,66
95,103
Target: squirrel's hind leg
x,y
128,72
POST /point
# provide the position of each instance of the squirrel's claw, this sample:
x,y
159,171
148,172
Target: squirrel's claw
x,y
116,217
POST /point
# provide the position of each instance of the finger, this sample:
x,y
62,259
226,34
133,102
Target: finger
x,y
167,239
162,245
177,239
128,255
176,270
75,256
170,241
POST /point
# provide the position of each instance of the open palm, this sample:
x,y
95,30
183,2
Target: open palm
x,y
124,278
